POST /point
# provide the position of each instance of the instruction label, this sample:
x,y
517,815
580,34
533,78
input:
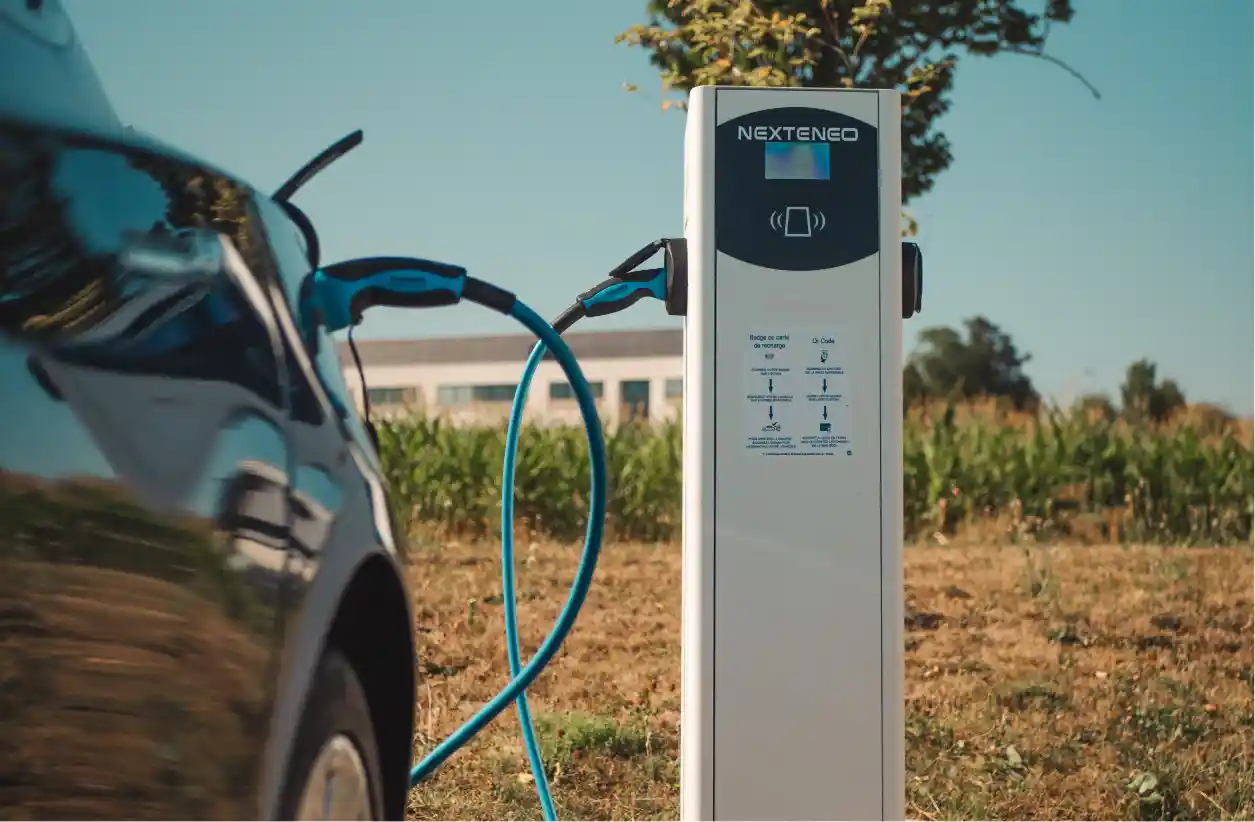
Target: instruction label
x,y
797,401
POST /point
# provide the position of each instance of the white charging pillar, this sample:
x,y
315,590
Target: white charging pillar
x,y
792,638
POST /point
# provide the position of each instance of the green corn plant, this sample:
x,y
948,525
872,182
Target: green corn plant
x,y
1171,483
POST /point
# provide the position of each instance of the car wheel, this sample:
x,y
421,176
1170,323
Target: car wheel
x,y
334,771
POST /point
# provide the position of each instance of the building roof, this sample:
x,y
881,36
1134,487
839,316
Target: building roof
x,y
514,348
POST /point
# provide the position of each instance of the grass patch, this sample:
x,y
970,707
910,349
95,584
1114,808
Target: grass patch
x,y
566,738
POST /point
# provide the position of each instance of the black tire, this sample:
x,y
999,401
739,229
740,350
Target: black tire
x,y
336,705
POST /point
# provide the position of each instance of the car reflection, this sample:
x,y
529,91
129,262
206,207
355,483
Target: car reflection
x,y
252,509
141,379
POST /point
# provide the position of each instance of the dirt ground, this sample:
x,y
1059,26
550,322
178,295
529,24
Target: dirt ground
x,y
1042,683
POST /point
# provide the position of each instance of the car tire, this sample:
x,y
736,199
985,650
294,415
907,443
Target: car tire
x,y
334,771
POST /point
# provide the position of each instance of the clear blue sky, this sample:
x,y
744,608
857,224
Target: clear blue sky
x,y
498,137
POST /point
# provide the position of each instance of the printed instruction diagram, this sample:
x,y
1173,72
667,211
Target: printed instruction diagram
x,y
797,394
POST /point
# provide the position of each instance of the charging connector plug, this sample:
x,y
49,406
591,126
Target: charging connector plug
x,y
624,286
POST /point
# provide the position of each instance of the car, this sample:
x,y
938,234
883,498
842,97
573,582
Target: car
x,y
203,605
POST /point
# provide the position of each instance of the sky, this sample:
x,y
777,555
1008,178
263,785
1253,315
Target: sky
x,y
499,136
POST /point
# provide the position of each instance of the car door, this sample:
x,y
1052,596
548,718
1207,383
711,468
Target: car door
x,y
144,462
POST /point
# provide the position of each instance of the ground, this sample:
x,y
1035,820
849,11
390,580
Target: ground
x,y
1042,683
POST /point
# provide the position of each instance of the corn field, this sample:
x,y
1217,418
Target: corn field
x,y
1053,475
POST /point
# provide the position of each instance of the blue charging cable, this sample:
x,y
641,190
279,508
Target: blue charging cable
x,y
615,294
509,594
338,295
341,293
522,677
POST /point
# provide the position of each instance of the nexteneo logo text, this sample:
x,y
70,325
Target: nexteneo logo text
x,y
829,134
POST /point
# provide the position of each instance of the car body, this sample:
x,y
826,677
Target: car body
x,y
196,551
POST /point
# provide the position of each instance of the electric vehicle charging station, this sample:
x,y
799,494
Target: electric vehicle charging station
x,y
793,603
791,278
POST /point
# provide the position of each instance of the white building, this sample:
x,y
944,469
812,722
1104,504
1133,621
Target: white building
x,y
634,374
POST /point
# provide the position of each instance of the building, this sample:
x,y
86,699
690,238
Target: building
x,y
633,374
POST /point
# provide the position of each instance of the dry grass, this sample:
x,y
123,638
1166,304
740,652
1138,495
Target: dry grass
x,y
1047,683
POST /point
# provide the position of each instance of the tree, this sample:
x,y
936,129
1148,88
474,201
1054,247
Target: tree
x,y
1144,398
913,46
1097,408
984,363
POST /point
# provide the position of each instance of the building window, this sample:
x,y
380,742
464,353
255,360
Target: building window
x,y
453,394
493,393
675,388
564,391
634,400
388,396
465,394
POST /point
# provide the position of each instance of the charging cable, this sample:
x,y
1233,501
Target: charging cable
x,y
342,292
622,289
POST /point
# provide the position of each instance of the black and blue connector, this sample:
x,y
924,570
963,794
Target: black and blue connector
x,y
625,286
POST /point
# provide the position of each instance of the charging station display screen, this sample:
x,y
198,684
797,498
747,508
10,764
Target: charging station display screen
x,y
790,201
798,161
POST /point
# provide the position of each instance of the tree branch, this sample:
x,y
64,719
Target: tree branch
x,y
1041,55
834,32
